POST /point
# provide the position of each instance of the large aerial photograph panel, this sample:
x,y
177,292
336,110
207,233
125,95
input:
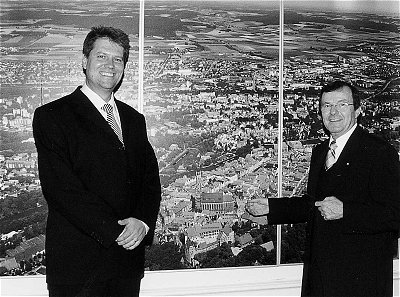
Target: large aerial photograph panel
x,y
210,97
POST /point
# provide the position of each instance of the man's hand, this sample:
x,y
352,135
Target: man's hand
x,y
331,208
261,220
257,207
133,233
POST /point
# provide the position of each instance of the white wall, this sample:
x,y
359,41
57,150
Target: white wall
x,y
284,280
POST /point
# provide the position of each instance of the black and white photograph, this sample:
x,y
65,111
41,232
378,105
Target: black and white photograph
x,y
199,148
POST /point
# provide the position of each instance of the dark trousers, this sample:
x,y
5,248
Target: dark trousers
x,y
314,286
109,288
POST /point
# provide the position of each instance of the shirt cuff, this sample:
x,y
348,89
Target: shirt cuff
x,y
145,226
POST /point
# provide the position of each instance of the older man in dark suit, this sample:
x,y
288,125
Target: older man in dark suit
x,y
99,175
352,205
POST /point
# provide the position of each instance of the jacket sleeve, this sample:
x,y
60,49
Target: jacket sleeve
x,y
151,189
289,210
297,209
63,190
379,210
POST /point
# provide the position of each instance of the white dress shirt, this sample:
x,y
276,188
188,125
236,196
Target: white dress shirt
x,y
98,102
341,141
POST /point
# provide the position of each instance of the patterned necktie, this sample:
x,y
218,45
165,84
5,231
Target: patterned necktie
x,y
330,156
112,122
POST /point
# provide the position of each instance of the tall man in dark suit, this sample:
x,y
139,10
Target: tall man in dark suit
x,y
99,175
352,205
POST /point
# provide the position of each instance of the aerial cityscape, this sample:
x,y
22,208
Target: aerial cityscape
x,y
210,98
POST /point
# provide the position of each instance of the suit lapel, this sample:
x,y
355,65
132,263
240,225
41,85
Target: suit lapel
x,y
350,151
88,112
130,132
124,118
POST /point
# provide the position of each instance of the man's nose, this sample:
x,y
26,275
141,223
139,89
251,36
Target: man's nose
x,y
334,109
110,63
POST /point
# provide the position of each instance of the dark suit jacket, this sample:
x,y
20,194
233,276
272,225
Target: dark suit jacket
x,y
90,181
352,256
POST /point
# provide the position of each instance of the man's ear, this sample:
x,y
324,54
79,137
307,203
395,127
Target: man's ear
x,y
358,112
84,62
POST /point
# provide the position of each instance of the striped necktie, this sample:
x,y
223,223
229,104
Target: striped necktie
x,y
112,122
330,156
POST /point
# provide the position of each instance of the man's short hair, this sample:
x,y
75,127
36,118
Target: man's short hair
x,y
113,34
337,85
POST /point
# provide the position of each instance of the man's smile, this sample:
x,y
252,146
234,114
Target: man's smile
x,y
109,74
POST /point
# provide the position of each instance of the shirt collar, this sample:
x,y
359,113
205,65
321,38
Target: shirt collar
x,y
342,140
96,100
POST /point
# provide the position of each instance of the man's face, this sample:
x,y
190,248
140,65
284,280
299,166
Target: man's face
x,y
104,67
337,116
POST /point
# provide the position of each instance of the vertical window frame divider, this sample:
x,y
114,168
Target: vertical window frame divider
x,y
280,126
140,98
